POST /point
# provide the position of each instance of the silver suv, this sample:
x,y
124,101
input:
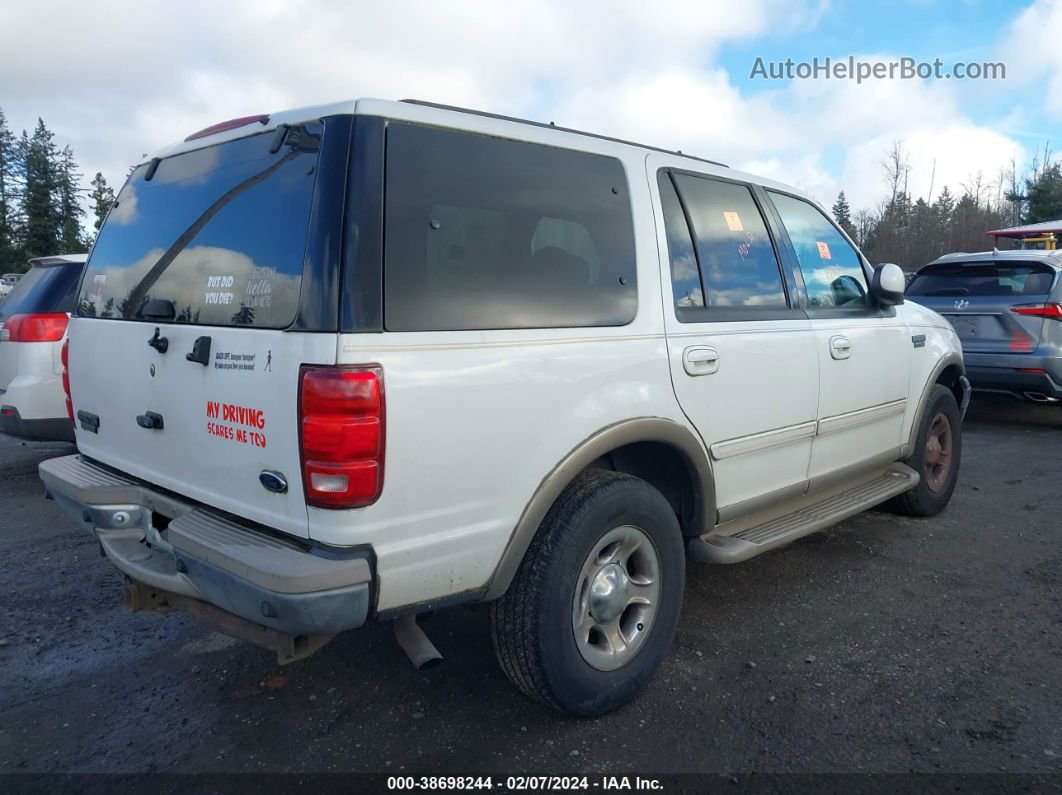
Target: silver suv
x,y
1006,307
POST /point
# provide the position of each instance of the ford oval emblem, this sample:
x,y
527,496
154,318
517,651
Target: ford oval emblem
x,y
274,481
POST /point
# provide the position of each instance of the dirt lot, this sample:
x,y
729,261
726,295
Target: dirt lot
x,y
882,645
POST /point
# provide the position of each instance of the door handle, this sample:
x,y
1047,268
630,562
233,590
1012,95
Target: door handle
x,y
840,347
700,360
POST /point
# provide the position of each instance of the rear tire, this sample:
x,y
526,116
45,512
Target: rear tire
x,y
936,457
594,605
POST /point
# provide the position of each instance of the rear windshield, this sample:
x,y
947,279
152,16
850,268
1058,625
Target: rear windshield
x,y
215,237
974,279
46,288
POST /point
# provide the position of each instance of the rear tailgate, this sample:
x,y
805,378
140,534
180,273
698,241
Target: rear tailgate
x,y
979,298
223,424
179,348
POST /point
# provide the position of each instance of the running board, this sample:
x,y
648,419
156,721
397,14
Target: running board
x,y
813,512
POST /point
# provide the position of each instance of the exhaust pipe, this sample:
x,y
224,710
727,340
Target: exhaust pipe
x,y
1039,397
421,651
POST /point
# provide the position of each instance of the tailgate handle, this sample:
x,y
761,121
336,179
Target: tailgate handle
x,y
161,344
150,420
200,351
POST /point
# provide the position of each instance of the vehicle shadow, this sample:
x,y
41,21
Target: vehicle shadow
x,y
999,410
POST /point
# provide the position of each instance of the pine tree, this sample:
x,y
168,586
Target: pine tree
x,y
68,202
39,186
1044,194
102,197
943,208
842,213
9,245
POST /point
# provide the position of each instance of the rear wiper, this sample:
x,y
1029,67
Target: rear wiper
x,y
157,309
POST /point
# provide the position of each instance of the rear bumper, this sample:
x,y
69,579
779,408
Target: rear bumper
x,y
1018,375
46,430
200,555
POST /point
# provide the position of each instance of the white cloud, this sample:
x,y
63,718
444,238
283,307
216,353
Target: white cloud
x,y
1032,51
938,154
124,211
122,78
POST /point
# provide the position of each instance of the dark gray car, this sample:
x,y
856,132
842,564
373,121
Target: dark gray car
x,y
1006,307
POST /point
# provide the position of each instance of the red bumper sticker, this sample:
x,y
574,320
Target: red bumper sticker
x,y
239,424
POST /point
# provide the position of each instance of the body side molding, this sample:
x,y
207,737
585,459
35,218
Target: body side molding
x,y
850,419
643,429
762,441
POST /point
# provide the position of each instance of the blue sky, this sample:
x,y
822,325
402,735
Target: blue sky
x,y
673,73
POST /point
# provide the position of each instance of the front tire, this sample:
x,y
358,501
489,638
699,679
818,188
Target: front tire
x,y
594,605
936,457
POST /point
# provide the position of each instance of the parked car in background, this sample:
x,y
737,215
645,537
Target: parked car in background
x,y
1006,307
33,324
7,283
359,362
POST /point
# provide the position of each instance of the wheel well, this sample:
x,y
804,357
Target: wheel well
x,y
664,468
949,377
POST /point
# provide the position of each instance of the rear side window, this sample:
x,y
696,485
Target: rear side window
x,y
219,232
977,279
49,288
487,233
831,268
738,264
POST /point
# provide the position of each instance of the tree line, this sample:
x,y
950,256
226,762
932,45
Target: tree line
x,y
914,231
41,195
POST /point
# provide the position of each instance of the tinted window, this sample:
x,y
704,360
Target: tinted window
x,y
685,276
987,280
49,288
483,233
736,256
833,274
220,232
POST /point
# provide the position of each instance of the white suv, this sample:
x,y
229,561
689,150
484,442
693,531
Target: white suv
x,y
364,361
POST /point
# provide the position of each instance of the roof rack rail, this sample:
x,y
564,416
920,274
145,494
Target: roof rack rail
x,y
552,126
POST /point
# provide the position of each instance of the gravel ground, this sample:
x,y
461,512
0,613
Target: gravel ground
x,y
885,644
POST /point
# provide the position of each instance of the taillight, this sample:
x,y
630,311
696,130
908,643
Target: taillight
x,y
341,430
66,380
1053,311
48,327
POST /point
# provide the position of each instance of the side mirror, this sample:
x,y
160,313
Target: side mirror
x,y
887,284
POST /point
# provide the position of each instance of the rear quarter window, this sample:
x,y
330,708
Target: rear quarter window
x,y
490,233
220,232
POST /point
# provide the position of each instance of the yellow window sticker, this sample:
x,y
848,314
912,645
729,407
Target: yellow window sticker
x,y
824,250
733,221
